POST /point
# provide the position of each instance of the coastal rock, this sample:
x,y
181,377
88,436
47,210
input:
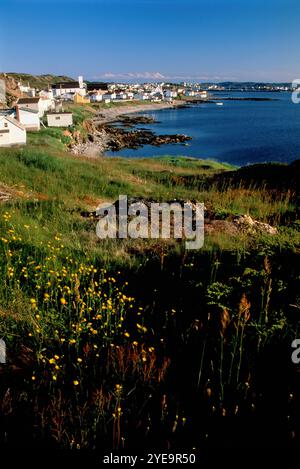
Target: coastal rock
x,y
120,138
7,193
130,121
245,223
241,224
95,145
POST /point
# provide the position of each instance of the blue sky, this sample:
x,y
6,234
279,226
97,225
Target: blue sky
x,y
180,39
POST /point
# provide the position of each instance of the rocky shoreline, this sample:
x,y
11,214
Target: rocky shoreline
x,y
105,133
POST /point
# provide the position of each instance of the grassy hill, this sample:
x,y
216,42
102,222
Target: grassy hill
x,y
140,343
35,81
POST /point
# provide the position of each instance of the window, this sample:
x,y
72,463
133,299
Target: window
x,y
5,124
57,118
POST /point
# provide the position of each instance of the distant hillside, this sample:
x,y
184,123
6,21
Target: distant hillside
x,y
36,81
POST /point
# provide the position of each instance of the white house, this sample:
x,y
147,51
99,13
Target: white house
x,y
11,132
24,88
46,104
8,112
110,96
35,104
59,119
29,118
190,93
203,94
71,87
121,96
67,96
170,93
142,96
46,94
156,96
96,97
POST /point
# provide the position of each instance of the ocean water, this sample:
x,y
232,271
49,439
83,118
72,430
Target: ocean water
x,y
239,132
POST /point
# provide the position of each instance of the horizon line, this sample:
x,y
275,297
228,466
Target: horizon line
x,y
145,79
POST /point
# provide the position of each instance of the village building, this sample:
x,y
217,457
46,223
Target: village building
x,y
157,96
79,99
190,93
30,103
8,112
203,94
142,96
24,88
36,104
11,132
95,86
170,94
59,119
96,96
46,104
29,118
109,96
121,95
66,97
46,94
66,88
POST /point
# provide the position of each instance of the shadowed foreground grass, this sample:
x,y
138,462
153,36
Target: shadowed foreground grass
x,y
127,344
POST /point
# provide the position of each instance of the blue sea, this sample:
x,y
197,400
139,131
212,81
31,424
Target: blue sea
x,y
239,132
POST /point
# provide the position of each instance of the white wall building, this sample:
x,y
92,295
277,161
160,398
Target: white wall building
x,y
190,93
72,87
46,94
203,94
96,97
170,94
35,104
23,88
142,96
59,119
11,132
110,96
121,96
29,118
27,89
46,104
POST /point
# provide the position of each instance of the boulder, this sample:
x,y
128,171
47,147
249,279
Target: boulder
x,y
247,224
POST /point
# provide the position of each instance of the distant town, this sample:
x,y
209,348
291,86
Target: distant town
x,y
35,107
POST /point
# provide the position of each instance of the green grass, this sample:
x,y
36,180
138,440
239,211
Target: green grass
x,y
119,341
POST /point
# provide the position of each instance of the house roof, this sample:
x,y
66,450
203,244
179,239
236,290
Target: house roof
x,y
97,86
6,112
66,85
26,109
28,100
62,113
13,121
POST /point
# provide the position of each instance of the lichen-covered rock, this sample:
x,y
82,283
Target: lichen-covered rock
x,y
248,224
